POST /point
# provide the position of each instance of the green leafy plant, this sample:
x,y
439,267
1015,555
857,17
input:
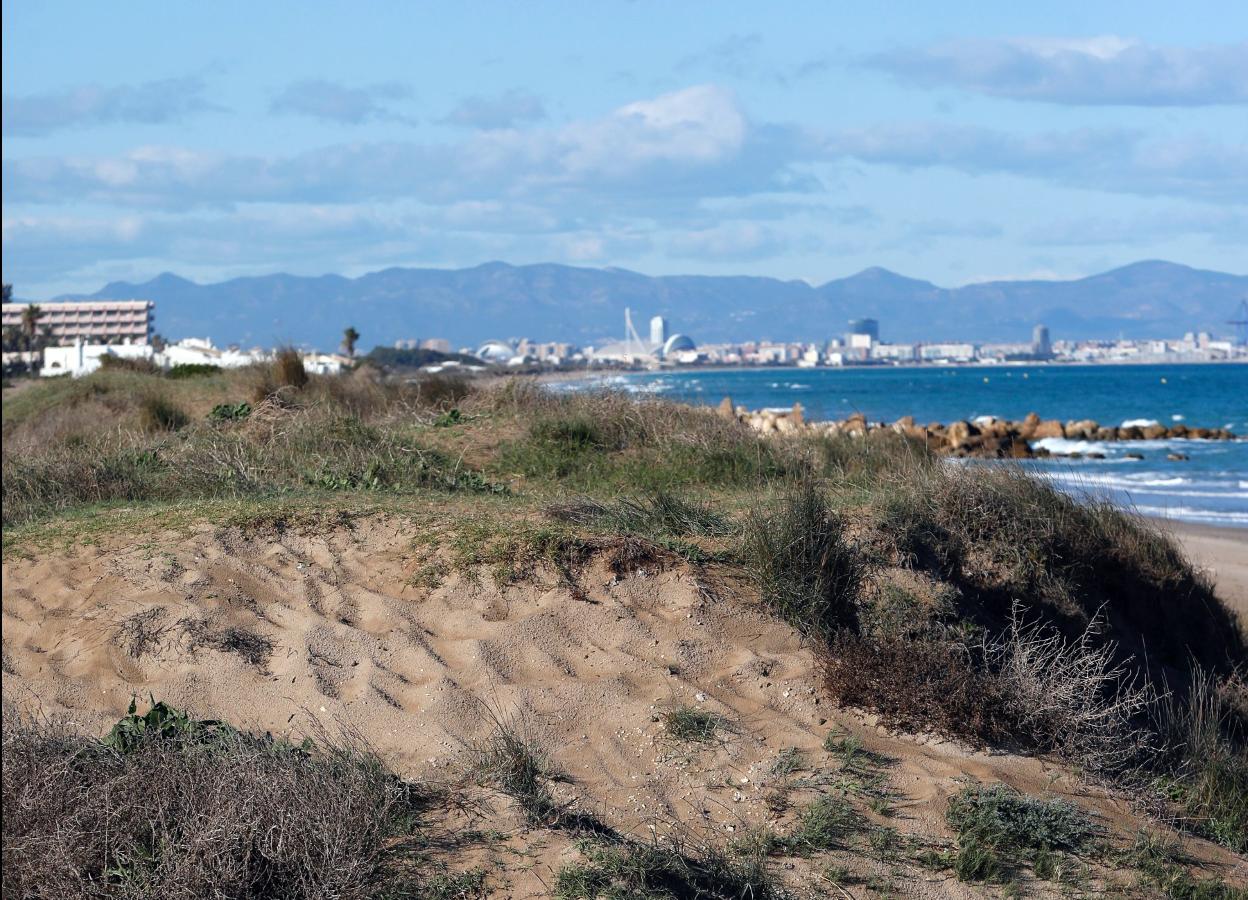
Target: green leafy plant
x,y
230,412
449,418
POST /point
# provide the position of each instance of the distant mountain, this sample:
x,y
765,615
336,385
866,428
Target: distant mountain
x,y
554,302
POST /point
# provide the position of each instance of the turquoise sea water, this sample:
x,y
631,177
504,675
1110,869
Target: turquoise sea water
x,y
1210,487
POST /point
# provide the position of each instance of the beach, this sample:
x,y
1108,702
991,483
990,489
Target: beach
x,y
1223,552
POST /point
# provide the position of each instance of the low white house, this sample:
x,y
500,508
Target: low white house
x,y
80,359
201,351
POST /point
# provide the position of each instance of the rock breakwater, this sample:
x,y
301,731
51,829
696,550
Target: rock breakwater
x,y
986,437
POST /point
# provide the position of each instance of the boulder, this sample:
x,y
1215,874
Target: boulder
x,y
1050,428
959,434
726,409
1176,457
1082,430
1153,432
1133,456
1130,433
797,417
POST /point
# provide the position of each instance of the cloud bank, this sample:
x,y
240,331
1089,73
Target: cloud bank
x,y
150,103
1099,71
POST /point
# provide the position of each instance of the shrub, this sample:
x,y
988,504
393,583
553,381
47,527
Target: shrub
x,y
140,365
449,418
803,565
1205,761
824,825
191,370
688,723
144,815
1000,828
659,872
1001,535
511,759
159,414
918,684
287,369
230,412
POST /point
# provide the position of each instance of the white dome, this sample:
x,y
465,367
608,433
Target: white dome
x,y
495,352
678,343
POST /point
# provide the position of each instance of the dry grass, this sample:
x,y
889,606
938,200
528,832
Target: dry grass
x,y
804,566
152,820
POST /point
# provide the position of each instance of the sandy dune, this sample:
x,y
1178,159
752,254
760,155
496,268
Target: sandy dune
x,y
272,630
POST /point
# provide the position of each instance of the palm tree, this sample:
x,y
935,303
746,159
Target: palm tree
x,y
349,337
30,323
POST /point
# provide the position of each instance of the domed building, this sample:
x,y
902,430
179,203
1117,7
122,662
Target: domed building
x,y
677,343
496,352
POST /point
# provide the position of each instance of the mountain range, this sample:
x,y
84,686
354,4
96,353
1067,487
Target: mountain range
x,y
586,305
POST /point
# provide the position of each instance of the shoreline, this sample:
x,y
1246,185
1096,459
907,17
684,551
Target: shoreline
x,y
1221,551
742,367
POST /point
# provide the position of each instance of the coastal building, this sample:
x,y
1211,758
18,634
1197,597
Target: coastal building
x,y
202,351
947,352
1041,345
81,358
658,331
91,321
868,327
896,353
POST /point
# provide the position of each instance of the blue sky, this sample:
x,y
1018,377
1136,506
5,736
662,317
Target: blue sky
x,y
951,141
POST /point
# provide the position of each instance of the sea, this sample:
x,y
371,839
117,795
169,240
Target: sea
x,y
1210,486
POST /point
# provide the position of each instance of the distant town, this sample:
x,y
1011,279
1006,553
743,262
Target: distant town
x,y
74,337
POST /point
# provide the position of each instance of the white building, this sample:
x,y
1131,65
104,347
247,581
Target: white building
x,y
201,351
658,331
81,358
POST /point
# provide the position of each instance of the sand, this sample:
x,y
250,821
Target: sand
x,y
359,640
1223,553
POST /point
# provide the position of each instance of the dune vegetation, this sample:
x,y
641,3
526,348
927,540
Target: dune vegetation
x,y
970,601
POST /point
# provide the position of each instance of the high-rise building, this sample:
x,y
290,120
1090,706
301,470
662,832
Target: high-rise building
x,y
92,321
1041,345
869,327
658,331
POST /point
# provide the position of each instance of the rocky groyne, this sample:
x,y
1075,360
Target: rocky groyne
x,y
986,437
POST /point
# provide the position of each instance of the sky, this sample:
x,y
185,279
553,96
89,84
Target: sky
x,y
957,142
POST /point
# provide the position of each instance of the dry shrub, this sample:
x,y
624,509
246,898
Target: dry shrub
x,y
110,361
157,413
1072,698
1027,687
169,817
917,685
288,370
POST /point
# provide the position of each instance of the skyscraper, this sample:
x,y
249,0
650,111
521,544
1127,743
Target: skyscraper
x,y
1041,346
658,331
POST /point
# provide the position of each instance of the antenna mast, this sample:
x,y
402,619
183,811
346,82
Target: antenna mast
x,y
632,340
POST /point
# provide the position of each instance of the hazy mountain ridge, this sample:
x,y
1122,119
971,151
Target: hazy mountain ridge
x,y
582,305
